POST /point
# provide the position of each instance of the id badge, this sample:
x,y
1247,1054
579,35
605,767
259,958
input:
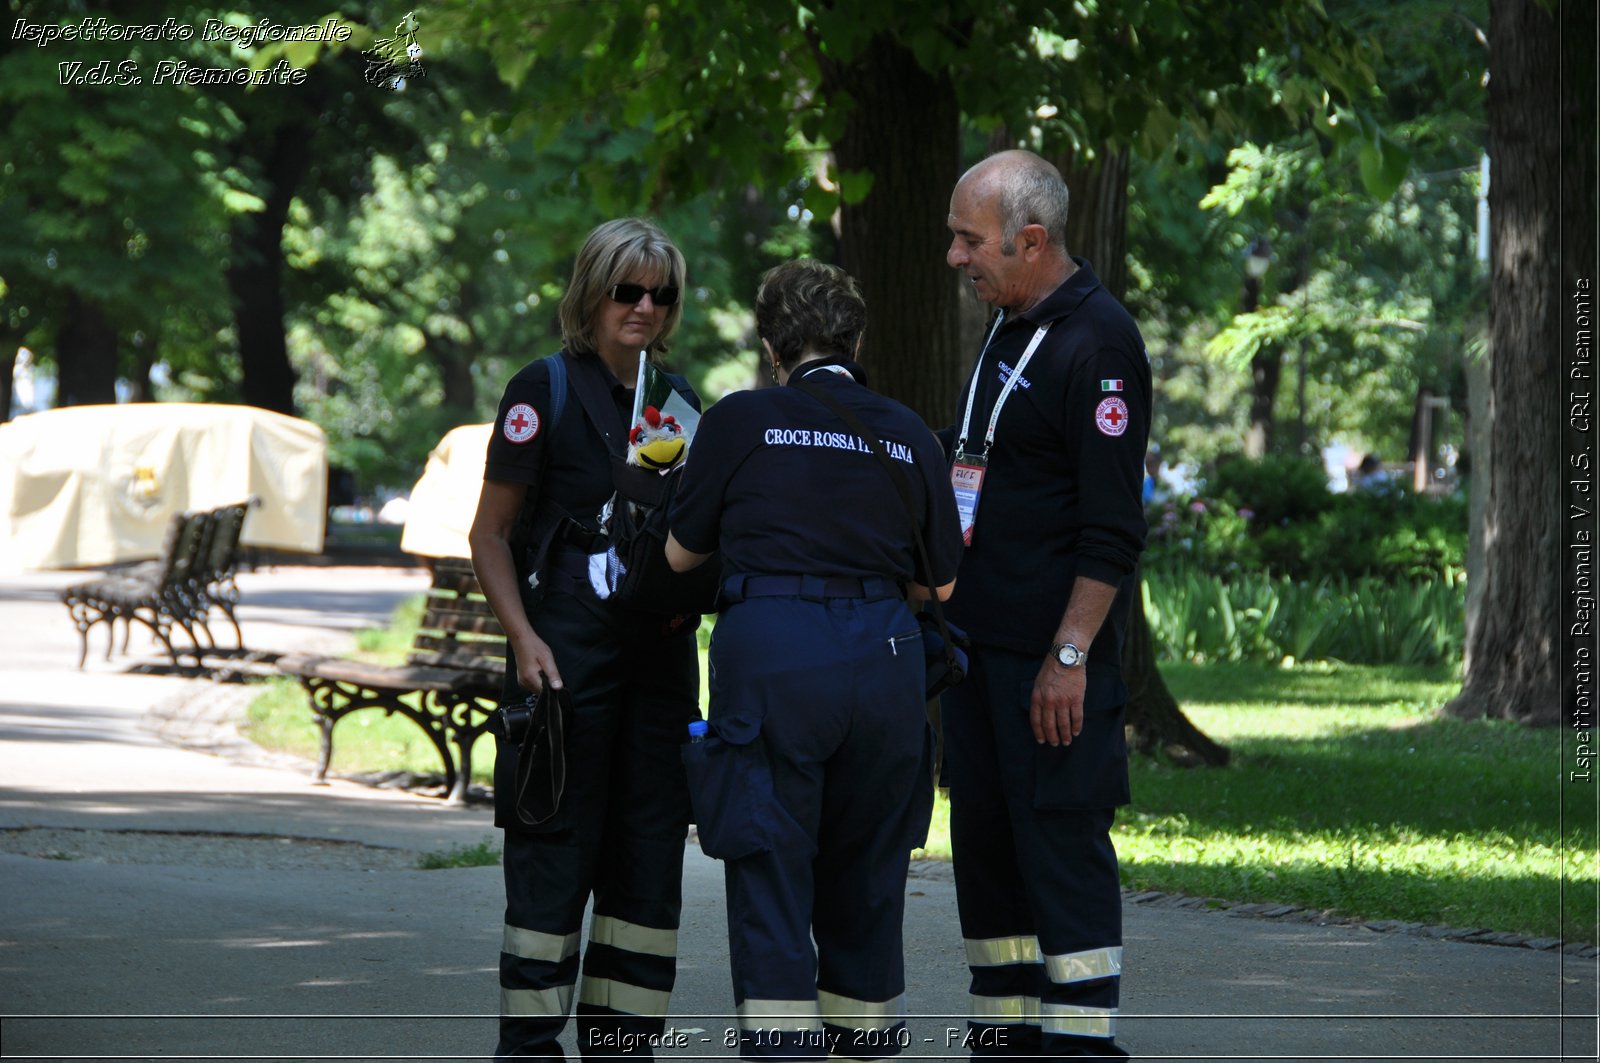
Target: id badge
x,y
966,477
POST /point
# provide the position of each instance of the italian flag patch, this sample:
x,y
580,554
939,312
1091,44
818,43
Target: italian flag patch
x,y
1110,385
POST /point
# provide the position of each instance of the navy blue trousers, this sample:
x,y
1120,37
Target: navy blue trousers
x,y
817,787
1036,875
617,836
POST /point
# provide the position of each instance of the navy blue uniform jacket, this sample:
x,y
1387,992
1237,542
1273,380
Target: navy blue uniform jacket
x,y
1061,497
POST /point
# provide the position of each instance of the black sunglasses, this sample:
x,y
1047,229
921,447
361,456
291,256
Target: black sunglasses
x,y
630,294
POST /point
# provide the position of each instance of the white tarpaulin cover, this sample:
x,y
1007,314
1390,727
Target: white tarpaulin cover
x,y
95,485
445,499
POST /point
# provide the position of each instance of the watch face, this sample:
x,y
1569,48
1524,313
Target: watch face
x,y
1069,655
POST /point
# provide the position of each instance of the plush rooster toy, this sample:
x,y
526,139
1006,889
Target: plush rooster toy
x,y
656,442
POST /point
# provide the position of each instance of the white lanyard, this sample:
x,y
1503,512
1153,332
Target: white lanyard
x,y
1005,392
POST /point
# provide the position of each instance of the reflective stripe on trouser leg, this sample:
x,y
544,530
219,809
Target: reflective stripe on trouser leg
x,y
629,967
1003,1004
780,1029
1079,1014
863,1029
552,950
537,972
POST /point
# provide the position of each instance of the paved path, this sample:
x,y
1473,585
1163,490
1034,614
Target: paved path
x,y
215,905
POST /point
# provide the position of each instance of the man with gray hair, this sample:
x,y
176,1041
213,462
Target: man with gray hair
x,y
1047,465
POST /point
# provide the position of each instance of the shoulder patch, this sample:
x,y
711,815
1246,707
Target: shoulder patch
x,y
521,423
1111,417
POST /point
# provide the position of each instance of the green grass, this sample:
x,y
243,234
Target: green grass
x,y
1347,791
485,854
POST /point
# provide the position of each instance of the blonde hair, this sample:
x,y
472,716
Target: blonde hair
x,y
615,253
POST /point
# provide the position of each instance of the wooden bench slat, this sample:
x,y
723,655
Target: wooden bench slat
x,y
376,676
469,623
425,651
454,583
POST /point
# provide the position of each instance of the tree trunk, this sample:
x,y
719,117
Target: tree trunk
x,y
453,362
1480,452
1097,229
1266,369
256,277
140,387
1511,666
9,342
86,355
1097,214
894,241
1156,723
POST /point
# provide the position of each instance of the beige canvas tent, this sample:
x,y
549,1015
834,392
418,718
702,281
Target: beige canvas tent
x,y
95,485
446,497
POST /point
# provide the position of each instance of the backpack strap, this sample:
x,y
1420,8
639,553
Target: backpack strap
x,y
557,364
538,525
589,385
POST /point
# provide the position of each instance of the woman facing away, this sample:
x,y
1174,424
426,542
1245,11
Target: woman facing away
x,y
816,783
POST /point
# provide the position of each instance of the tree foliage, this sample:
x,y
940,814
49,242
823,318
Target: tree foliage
x,y
1373,288
732,97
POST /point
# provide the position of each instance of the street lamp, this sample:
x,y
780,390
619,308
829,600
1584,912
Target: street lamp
x,y
1263,366
1258,257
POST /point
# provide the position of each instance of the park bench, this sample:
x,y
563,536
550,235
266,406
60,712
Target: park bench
x,y
193,575
449,686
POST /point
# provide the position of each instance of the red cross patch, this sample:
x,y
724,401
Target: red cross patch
x,y
521,423
1111,417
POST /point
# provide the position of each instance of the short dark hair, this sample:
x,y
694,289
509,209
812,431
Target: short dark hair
x,y
809,307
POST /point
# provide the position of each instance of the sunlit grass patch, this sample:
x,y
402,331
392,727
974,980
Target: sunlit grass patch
x,y
1347,791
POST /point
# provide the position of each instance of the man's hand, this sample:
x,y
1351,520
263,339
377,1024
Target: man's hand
x,y
535,664
1056,710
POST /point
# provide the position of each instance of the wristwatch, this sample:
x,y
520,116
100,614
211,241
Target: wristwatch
x,y
1069,656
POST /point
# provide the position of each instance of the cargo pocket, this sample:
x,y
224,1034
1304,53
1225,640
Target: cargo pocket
x,y
730,789
1092,772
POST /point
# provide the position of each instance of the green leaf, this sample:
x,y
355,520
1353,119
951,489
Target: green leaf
x,y
1384,165
854,186
242,202
819,201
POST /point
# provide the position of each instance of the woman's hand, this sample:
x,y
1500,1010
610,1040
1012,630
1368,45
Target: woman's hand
x,y
536,664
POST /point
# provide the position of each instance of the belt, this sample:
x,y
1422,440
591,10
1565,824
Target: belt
x,y
566,569
812,588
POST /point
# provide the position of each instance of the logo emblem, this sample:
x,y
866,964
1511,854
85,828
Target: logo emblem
x,y
521,424
1111,417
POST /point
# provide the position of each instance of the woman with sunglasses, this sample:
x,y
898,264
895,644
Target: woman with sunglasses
x,y
613,823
